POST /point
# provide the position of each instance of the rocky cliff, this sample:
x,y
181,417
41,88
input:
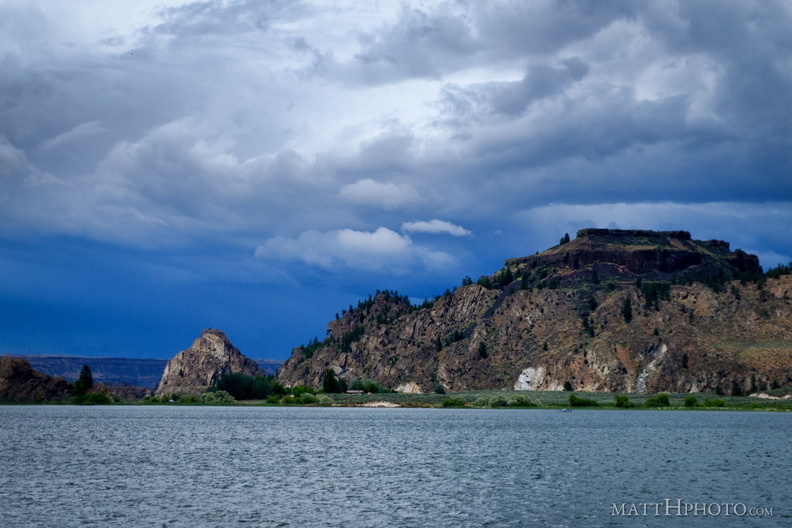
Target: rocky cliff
x,y
611,310
20,383
194,370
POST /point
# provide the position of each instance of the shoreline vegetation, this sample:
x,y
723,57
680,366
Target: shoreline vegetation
x,y
484,399
336,392
243,390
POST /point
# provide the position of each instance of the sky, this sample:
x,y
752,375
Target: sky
x,y
170,166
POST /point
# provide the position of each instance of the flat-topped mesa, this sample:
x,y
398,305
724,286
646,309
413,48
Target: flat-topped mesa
x,y
634,233
630,253
195,369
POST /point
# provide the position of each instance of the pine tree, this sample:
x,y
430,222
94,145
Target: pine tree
x,y
627,310
330,384
85,382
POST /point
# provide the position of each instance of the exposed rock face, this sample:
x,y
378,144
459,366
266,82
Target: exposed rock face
x,y
194,370
20,383
700,318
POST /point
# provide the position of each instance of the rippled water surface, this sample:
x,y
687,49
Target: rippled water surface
x,y
356,467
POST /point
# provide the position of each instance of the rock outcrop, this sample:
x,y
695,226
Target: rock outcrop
x,y
612,310
651,255
20,383
194,370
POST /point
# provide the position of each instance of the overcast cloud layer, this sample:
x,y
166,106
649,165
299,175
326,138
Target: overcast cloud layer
x,y
258,166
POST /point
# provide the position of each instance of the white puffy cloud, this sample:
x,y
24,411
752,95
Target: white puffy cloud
x,y
378,250
435,226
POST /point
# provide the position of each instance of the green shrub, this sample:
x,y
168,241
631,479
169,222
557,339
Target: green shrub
x,y
518,400
439,389
289,400
188,398
219,396
498,401
324,400
454,402
714,402
243,387
623,402
481,402
307,399
299,390
567,386
691,401
661,400
366,385
273,398
576,401
91,399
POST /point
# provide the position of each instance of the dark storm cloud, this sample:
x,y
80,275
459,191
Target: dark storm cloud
x,y
449,36
400,50
342,145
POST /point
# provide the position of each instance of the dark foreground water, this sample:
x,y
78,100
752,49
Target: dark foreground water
x,y
301,467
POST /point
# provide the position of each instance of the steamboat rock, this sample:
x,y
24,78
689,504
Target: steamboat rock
x,y
194,370
611,310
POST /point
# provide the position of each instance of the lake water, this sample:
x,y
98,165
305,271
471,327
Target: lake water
x,y
64,466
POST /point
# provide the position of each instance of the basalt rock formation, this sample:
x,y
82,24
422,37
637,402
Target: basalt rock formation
x,y
611,310
194,370
20,383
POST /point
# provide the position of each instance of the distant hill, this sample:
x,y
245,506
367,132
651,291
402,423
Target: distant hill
x,y
108,370
269,366
116,371
611,310
20,383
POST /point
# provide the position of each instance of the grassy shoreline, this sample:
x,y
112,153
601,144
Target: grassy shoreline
x,y
473,400
559,400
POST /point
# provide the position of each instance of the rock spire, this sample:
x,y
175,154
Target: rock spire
x,y
194,370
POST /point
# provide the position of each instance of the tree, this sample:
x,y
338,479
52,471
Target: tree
x,y
331,385
627,310
85,382
565,239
